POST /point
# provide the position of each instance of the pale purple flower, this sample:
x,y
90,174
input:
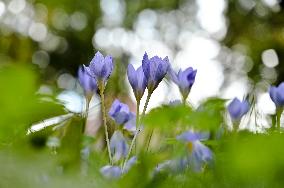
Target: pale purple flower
x,y
109,171
86,81
100,67
184,79
118,146
198,152
130,125
137,81
277,95
238,108
114,172
154,70
120,112
132,161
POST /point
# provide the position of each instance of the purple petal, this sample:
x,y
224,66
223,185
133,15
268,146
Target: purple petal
x,y
173,75
118,146
132,77
115,107
130,163
109,171
146,65
190,136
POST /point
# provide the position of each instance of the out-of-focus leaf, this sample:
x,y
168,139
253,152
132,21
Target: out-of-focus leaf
x,y
70,150
208,116
20,106
167,116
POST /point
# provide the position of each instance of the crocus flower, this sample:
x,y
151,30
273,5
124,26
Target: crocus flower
x,y
118,146
100,67
86,81
277,95
120,112
130,163
130,125
137,81
154,70
109,171
184,80
114,172
198,152
237,109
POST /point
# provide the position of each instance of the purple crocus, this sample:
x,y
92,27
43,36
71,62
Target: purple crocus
x,y
277,95
120,112
109,171
154,70
86,81
198,152
100,67
237,109
137,81
118,146
114,172
184,79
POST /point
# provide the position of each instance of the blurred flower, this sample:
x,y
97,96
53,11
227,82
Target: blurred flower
x,y
100,68
86,81
184,80
137,81
175,165
109,171
191,136
130,163
154,70
118,146
237,109
277,94
130,125
199,153
120,112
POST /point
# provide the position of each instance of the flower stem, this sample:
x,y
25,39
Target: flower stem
x,y
85,116
278,117
104,119
137,121
137,130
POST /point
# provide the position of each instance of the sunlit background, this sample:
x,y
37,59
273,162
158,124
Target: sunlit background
x,y
236,46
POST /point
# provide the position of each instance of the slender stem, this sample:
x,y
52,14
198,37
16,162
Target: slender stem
x,y
137,131
278,117
86,113
104,120
137,121
149,140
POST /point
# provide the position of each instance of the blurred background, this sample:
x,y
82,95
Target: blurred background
x,y
236,45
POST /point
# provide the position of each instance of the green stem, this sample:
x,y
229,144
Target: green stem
x,y
137,130
149,140
86,113
104,120
137,120
278,117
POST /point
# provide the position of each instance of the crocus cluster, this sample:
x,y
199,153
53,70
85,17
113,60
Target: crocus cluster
x,y
149,75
